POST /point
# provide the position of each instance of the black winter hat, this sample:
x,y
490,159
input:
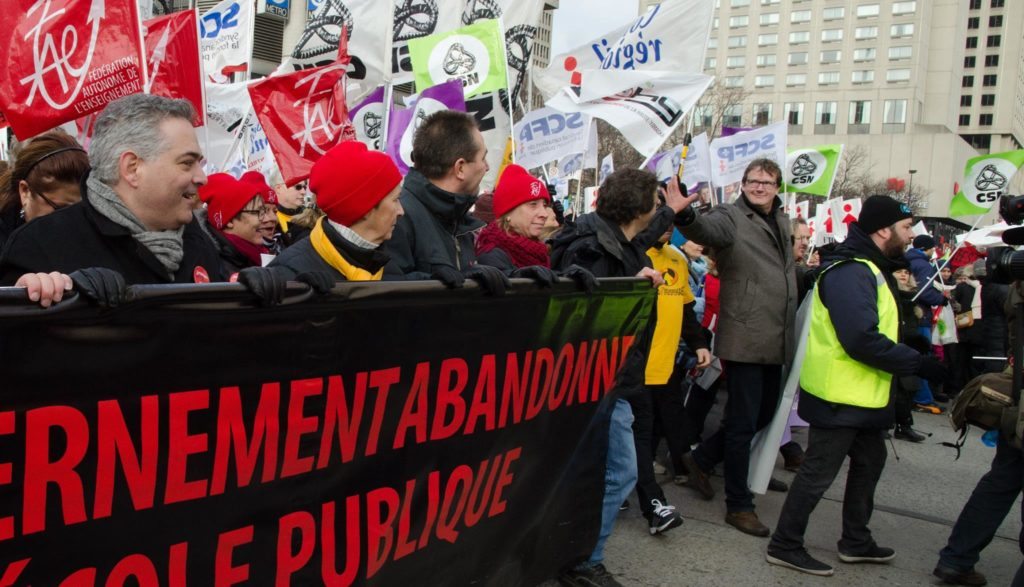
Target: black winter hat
x,y
924,242
879,212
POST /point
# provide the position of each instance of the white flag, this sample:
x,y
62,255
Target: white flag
x,y
843,213
546,134
607,168
413,19
731,155
520,20
697,168
644,106
225,37
368,24
672,36
236,142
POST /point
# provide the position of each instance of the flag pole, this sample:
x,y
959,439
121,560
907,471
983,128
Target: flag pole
x,y
388,98
508,90
579,182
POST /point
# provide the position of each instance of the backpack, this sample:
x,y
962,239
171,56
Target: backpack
x,y
988,402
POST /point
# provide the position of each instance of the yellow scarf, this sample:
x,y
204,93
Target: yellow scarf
x,y
282,220
322,245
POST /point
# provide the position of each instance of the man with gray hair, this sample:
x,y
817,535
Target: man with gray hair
x,y
134,223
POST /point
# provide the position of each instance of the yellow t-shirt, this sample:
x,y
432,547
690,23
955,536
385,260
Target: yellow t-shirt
x,y
672,265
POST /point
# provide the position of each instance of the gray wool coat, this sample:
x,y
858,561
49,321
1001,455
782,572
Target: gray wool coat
x,y
758,297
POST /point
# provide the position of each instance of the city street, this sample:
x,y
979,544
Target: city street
x,y
918,499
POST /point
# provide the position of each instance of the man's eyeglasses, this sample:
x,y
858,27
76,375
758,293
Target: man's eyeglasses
x,y
300,186
48,201
765,184
259,212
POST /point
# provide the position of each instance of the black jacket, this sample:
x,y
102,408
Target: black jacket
x,y
436,229
78,236
301,257
600,246
922,268
10,221
850,292
963,293
993,299
232,260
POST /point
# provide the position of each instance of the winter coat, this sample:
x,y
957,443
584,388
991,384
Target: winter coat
x,y
922,269
963,293
436,229
995,342
301,257
231,259
756,321
10,221
850,293
78,236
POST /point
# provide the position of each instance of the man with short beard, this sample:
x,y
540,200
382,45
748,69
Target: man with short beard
x,y
853,352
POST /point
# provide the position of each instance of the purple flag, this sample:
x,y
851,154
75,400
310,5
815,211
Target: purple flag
x,y
403,122
368,119
728,131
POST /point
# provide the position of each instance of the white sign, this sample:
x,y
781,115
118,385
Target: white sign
x,y
731,155
225,37
546,134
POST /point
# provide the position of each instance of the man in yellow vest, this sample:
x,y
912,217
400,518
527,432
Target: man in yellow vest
x,y
853,352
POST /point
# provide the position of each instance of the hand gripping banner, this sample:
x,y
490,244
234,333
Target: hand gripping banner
x,y
370,436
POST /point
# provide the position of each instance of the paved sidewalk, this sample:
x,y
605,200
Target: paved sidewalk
x,y
918,499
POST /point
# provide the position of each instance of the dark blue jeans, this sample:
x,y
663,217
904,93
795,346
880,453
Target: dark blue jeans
x,y
985,510
827,448
753,398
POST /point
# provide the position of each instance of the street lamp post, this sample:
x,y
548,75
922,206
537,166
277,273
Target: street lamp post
x,y
910,192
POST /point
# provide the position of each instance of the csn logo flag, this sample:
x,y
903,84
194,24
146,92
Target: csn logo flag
x,y
812,170
546,134
175,69
731,155
226,39
64,59
474,55
986,178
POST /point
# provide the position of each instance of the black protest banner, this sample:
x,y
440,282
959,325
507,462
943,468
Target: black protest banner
x,y
385,434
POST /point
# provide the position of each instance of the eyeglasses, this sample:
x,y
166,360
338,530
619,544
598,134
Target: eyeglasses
x,y
300,186
259,212
802,239
48,201
765,184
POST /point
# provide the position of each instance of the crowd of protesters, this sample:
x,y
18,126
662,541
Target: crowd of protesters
x,y
138,208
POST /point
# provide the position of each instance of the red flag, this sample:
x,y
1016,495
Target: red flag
x,y
3,121
303,115
63,59
172,51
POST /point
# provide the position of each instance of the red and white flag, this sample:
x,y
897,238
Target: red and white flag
x,y
64,59
303,115
174,64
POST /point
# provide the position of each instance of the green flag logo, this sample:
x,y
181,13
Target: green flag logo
x,y
986,179
474,55
812,170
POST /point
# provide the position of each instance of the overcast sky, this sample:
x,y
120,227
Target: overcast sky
x,y
579,21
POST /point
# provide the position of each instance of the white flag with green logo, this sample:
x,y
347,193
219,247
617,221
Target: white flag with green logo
x,y
986,178
474,54
812,170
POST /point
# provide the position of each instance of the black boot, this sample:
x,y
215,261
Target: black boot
x,y
905,432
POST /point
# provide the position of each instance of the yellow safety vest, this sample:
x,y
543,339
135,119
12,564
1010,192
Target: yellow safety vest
x,y
831,374
672,296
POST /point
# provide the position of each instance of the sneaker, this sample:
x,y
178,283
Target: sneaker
x,y
698,479
877,554
663,517
928,408
659,469
588,576
793,462
777,485
624,506
799,560
680,479
954,577
907,433
748,523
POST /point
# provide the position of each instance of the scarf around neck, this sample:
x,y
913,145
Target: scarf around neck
x,y
166,245
522,250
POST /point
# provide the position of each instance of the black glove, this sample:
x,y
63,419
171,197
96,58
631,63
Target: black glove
x,y
931,369
322,282
490,279
104,286
266,284
540,274
584,279
448,275
559,211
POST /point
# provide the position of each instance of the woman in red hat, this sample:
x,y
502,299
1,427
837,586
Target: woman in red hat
x,y
522,208
234,212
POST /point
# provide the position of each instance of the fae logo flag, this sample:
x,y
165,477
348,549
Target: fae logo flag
x,y
473,55
986,178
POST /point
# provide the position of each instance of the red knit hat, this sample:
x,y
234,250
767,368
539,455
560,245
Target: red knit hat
x,y
349,180
256,179
225,197
516,186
